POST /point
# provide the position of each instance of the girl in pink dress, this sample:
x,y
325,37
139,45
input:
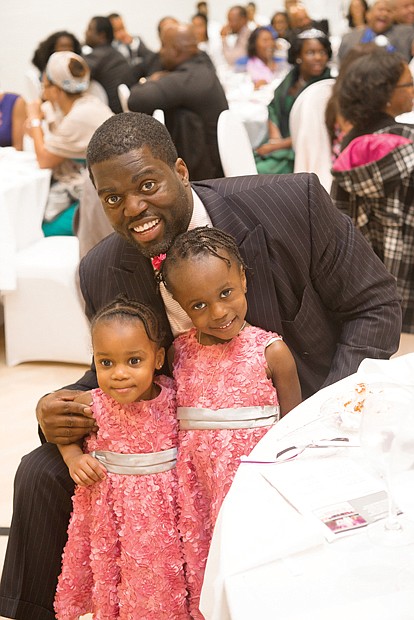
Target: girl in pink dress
x,y
232,379
123,558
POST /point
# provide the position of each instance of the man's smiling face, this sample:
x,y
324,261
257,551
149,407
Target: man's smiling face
x,y
146,201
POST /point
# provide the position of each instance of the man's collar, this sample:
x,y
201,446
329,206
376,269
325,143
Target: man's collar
x,y
200,217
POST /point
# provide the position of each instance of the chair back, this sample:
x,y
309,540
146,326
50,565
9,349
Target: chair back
x,y
32,85
123,95
97,90
159,115
310,138
235,149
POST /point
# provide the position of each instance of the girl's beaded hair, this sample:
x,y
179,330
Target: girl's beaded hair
x,y
127,310
197,242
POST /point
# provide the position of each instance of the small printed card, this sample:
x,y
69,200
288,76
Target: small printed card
x,y
337,491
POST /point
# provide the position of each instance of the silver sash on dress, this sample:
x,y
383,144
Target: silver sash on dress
x,y
193,418
138,464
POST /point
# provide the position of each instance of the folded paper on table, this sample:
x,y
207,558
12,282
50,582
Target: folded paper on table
x,y
342,497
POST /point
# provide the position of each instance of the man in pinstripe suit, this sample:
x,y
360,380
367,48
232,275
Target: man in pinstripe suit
x,y
313,279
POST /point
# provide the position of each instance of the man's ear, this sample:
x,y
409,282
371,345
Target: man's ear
x,y
182,170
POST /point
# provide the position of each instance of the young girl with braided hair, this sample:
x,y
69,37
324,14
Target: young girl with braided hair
x,y
123,558
233,380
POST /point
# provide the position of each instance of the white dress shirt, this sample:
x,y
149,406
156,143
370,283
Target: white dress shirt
x,y
177,317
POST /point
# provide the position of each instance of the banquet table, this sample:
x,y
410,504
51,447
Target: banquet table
x,y
24,189
248,104
270,560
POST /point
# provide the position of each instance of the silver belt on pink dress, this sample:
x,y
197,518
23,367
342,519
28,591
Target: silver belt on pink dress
x,y
194,418
137,464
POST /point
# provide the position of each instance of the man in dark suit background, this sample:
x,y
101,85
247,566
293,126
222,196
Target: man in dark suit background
x,y
313,279
107,65
132,47
191,96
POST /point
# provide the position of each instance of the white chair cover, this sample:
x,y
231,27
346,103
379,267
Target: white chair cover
x,y
123,94
43,316
234,145
310,138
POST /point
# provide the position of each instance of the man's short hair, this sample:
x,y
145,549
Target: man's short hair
x,y
130,131
241,10
103,25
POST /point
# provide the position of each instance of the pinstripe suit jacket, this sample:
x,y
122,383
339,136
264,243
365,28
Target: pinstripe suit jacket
x,y
312,277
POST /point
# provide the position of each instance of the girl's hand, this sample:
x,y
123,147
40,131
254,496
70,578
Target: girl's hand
x,y
85,469
265,149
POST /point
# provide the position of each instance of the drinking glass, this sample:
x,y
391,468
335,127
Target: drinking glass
x,y
388,409
402,471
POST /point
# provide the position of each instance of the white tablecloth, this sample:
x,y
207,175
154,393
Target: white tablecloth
x,y
250,105
24,188
269,561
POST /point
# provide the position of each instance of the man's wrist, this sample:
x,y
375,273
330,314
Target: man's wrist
x,y
35,122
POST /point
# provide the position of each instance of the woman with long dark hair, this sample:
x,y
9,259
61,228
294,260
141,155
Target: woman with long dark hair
x,y
309,53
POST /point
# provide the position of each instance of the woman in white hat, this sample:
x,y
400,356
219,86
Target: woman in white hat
x,y
61,146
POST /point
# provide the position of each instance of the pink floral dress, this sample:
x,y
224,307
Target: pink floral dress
x,y
232,374
123,558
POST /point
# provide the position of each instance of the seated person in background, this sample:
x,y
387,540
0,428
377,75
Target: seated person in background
x,y
381,30
107,65
300,20
403,11
192,98
309,53
132,47
374,174
199,21
235,35
207,42
261,65
202,8
63,148
254,20
12,120
280,24
61,41
336,124
357,14
152,62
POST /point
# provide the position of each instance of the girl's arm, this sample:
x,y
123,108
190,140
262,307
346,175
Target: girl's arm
x,y
284,376
84,469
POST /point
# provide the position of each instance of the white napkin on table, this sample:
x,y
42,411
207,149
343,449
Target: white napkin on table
x,y
399,370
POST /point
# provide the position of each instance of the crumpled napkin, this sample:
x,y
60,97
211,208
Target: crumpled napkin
x,y
399,370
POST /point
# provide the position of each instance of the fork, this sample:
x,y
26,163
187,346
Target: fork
x,y
336,442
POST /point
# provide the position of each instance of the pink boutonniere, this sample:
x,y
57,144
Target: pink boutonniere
x,y
157,261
